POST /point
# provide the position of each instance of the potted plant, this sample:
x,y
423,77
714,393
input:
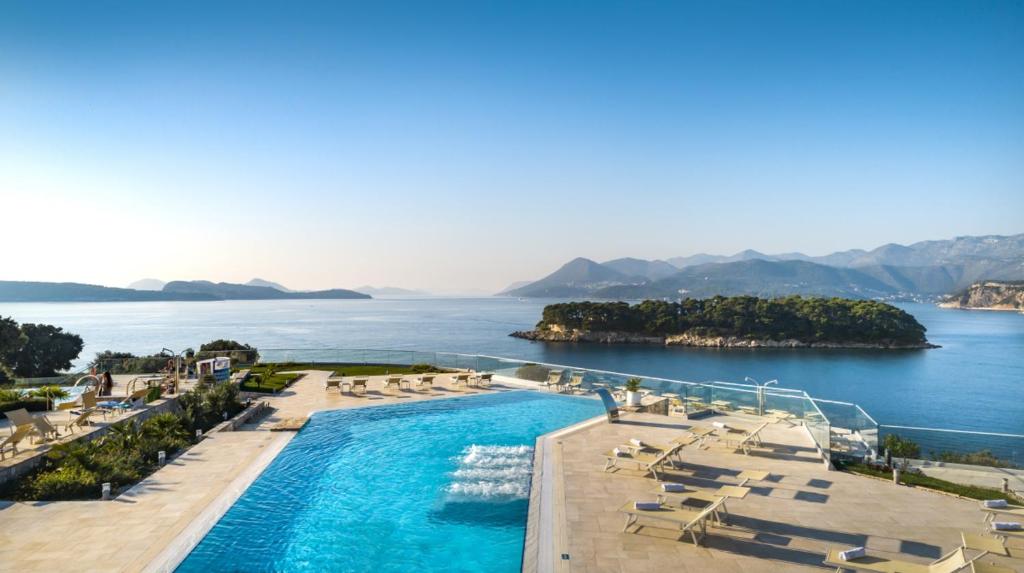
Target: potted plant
x,y
633,395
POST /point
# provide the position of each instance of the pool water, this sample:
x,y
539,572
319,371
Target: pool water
x,y
439,485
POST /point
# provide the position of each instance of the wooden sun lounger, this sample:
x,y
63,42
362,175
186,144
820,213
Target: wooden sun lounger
x,y
332,382
948,563
483,380
1010,509
40,424
648,462
395,381
460,380
704,496
688,520
425,382
358,383
749,439
554,379
11,442
81,420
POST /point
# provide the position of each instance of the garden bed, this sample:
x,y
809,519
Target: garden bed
x,y
276,376
926,482
127,453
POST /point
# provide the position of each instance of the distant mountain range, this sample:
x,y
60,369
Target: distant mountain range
x,y
390,291
24,291
925,269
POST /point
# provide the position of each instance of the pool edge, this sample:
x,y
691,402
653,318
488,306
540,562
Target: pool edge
x,y
172,555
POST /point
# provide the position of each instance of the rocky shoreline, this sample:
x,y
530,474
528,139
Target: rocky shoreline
x,y
696,341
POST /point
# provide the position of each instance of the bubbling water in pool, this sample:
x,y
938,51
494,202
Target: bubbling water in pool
x,y
492,473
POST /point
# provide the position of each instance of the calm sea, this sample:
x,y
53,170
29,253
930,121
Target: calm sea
x,y
975,381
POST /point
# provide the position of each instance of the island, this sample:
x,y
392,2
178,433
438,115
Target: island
x,y
29,291
739,321
989,295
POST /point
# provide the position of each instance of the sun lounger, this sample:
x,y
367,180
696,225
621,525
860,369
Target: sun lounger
x,y
11,442
692,521
80,420
41,425
749,439
393,381
948,563
1014,510
702,433
649,462
676,493
675,446
575,384
554,380
359,386
425,382
332,382
982,567
484,380
460,380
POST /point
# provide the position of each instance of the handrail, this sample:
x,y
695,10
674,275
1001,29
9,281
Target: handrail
x,y
973,432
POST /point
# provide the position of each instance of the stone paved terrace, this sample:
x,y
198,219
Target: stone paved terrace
x,y
784,524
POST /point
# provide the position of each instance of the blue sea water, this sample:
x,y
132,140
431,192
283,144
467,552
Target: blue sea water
x,y
974,382
440,485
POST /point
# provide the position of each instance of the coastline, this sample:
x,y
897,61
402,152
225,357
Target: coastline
x,y
958,306
695,341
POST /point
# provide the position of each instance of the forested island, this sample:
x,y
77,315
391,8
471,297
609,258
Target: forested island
x,y
739,321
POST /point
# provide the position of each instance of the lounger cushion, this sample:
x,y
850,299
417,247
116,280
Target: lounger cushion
x,y
1006,526
673,487
995,503
854,553
647,505
637,443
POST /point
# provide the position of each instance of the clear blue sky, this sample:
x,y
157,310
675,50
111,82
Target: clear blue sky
x,y
466,145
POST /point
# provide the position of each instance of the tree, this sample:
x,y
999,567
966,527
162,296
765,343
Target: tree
x,y
46,350
901,447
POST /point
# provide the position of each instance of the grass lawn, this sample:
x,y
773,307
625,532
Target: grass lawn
x,y
350,369
275,383
971,491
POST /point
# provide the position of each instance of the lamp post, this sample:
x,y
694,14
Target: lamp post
x,y
760,392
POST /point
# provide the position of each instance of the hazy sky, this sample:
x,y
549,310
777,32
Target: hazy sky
x,y
467,145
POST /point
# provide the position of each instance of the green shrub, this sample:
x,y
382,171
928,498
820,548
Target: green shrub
x,y
7,395
30,404
68,482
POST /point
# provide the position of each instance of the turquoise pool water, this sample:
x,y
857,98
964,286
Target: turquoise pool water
x,y
439,485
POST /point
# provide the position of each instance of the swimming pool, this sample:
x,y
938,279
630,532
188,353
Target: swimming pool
x,y
439,485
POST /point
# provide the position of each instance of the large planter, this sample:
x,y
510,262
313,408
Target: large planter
x,y
633,398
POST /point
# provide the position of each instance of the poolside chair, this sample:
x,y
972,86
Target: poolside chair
x,y
554,380
11,442
1010,509
948,563
484,380
684,494
359,384
395,381
460,380
575,384
81,420
41,425
692,521
425,382
675,446
650,463
748,440
332,382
